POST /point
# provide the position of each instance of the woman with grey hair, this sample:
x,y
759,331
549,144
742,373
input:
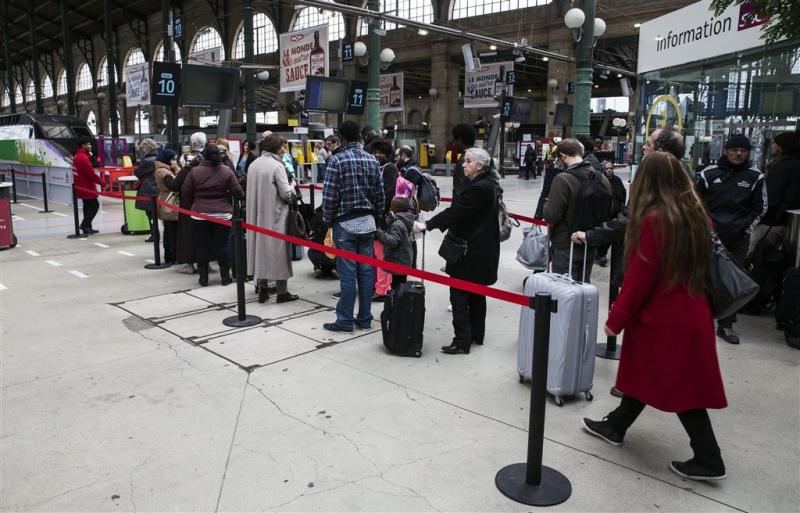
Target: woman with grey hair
x,y
471,220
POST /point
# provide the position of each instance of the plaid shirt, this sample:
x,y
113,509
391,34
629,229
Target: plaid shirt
x,y
353,185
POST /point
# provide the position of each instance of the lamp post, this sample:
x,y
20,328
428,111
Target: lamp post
x,y
373,69
585,28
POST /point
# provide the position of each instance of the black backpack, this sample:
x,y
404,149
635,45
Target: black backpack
x,y
594,202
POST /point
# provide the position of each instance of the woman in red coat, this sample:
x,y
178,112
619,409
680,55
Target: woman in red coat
x,y
669,357
85,181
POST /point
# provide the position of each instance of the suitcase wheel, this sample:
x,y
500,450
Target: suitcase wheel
x,y
588,396
522,378
558,400
418,354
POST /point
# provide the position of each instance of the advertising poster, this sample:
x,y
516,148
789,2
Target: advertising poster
x,y
392,92
486,82
137,84
304,52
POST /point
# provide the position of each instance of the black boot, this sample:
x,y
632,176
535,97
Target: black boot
x,y
202,270
261,290
225,274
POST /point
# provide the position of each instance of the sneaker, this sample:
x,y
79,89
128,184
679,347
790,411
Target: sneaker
x,y
602,261
449,308
336,295
728,335
692,470
602,429
332,326
187,269
365,327
149,239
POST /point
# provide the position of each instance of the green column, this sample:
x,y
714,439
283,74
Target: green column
x,y
373,72
583,72
249,85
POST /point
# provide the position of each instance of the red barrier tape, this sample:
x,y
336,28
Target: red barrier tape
x,y
310,186
192,213
113,194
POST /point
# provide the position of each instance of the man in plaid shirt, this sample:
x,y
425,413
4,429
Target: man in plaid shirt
x,y
351,198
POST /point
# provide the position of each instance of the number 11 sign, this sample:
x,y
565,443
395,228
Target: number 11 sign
x,y
166,84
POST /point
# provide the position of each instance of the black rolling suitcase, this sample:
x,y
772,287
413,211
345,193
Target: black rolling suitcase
x,y
403,317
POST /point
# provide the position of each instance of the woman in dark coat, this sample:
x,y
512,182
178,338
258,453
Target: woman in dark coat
x,y
472,217
146,173
185,252
669,353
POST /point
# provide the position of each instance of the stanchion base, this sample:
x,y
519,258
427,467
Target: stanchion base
x,y
46,211
157,266
234,322
554,489
79,236
602,351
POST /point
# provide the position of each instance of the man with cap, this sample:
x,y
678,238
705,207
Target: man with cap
x,y
736,199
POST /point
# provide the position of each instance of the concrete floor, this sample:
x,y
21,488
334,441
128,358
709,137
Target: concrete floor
x,y
123,391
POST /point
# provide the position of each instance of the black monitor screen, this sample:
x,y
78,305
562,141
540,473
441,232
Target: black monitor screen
x,y
326,94
209,86
563,114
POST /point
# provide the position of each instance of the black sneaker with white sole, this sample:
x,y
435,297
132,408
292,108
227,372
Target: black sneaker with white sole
x,y
728,335
602,429
691,469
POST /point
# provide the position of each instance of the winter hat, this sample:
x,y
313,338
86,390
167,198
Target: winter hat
x,y
788,141
166,155
148,145
738,141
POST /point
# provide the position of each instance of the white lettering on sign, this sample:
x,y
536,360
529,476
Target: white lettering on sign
x,y
295,52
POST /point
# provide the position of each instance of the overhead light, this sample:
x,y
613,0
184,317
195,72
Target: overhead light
x,y
492,47
422,32
487,54
619,75
596,86
647,82
545,58
637,25
529,90
419,97
519,59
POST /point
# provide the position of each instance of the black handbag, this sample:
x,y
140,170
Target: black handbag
x,y
728,287
295,224
453,249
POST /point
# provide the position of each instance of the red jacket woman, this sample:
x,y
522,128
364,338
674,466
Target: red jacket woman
x,y
669,357
83,173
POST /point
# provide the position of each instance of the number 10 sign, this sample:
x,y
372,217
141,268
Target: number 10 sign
x,y
166,84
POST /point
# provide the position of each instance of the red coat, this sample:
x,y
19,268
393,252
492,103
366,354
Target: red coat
x,y
669,353
84,176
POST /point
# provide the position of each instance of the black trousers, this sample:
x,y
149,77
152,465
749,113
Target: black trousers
x,y
738,251
90,208
696,423
170,241
211,238
469,317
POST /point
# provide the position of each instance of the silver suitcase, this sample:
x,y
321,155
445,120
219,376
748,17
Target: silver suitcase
x,y
573,334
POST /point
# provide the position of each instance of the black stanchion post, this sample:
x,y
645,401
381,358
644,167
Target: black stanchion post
x,y
156,236
241,319
14,185
609,349
77,234
531,482
311,197
44,194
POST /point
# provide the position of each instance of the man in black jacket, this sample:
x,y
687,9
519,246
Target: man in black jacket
x,y
736,199
463,139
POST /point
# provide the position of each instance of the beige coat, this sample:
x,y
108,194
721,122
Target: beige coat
x,y
268,195
162,171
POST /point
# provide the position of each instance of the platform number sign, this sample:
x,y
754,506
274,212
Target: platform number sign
x,y
347,52
511,77
358,97
166,84
177,27
505,109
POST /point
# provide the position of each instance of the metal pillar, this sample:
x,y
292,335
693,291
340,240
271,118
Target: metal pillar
x,y
37,77
249,84
112,78
583,72
169,53
9,66
68,69
374,71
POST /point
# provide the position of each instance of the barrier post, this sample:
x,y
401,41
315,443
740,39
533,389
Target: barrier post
x,y
77,234
14,185
156,236
44,194
311,197
610,350
531,482
241,319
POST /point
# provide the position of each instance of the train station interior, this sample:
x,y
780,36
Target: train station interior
x,y
121,389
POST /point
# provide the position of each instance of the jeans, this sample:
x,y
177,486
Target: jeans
x,y
560,262
469,318
90,208
211,237
696,423
170,240
354,278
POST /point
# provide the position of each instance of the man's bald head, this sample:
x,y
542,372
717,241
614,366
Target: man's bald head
x,y
666,140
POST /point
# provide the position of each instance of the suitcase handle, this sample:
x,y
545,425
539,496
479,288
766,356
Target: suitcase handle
x,y
585,255
586,344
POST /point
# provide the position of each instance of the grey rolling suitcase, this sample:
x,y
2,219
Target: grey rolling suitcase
x,y
573,334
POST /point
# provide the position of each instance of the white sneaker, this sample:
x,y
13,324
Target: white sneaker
x,y
187,269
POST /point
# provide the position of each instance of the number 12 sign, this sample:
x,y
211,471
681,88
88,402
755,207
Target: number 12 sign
x,y
166,84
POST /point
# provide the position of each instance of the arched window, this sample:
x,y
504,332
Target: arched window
x,y
18,96
135,56
102,73
83,82
62,83
265,40
119,123
417,10
47,86
159,54
207,38
31,94
6,101
469,8
311,17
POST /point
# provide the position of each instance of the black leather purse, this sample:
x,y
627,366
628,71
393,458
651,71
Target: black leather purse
x,y
453,249
728,287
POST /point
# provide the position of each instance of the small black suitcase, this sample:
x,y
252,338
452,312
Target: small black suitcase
x,y
403,319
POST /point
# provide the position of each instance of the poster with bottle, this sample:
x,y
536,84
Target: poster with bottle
x,y
303,52
482,85
137,84
391,86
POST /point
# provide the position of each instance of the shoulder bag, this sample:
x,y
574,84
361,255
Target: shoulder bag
x,y
728,287
454,249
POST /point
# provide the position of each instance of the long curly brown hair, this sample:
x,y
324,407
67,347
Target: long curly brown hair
x,y
683,229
